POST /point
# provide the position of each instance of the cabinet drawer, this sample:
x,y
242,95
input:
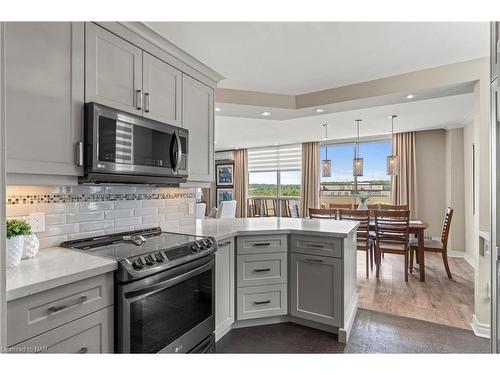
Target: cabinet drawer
x,y
261,244
322,246
261,301
32,315
261,269
90,334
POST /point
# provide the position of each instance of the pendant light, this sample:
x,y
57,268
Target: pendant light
x,y
392,160
326,165
357,162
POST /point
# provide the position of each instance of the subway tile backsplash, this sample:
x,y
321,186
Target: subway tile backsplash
x,y
85,211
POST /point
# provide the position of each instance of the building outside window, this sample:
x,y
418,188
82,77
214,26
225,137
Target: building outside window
x,y
274,179
342,186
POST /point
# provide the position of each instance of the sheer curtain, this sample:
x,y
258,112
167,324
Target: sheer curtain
x,y
404,184
241,181
309,192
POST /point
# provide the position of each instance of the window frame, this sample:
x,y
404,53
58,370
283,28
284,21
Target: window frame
x,y
353,141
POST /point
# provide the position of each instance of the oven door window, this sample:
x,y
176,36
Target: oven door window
x,y
121,142
160,318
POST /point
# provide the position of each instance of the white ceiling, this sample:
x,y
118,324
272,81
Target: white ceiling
x,y
445,112
300,57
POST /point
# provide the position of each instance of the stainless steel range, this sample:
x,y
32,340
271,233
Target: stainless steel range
x,y
165,289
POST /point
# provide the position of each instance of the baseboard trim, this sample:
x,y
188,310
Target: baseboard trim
x,y
222,329
460,254
480,329
351,311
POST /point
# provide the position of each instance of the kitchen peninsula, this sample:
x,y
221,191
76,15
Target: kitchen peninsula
x,y
273,270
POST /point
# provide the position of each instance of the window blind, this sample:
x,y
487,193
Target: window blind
x,y
275,158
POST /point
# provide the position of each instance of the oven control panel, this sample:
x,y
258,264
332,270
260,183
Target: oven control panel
x,y
154,259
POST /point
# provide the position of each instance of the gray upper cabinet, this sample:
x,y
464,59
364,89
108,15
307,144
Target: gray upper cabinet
x,y
316,285
198,118
44,80
162,86
113,69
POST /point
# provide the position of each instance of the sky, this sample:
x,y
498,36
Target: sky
x,y
374,155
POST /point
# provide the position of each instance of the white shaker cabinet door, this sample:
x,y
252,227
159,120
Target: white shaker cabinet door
x,y
113,71
224,288
198,118
162,85
44,95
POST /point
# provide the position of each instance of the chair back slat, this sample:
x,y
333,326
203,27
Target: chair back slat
x,y
446,227
392,229
393,207
322,213
293,210
361,216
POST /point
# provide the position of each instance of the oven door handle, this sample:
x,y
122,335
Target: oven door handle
x,y
143,292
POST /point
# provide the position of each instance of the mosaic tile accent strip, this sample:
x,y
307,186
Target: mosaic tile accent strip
x,y
104,197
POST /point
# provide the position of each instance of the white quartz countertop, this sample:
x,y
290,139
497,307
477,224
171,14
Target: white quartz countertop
x,y
225,228
53,267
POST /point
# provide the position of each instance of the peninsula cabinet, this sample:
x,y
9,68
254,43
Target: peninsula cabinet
x,y
122,76
198,118
44,95
316,284
224,287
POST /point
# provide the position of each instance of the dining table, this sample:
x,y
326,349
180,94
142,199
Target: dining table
x,y
417,228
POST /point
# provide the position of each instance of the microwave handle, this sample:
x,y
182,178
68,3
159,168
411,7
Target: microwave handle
x,y
179,152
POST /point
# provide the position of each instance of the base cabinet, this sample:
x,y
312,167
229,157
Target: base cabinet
x,y
224,288
316,287
90,334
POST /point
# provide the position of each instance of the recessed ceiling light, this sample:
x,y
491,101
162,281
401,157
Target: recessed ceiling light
x,y
266,114
410,96
217,109
319,110
276,144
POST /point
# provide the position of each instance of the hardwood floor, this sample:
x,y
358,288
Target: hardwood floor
x,y
438,299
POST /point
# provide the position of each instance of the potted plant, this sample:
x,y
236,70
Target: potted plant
x,y
16,230
363,198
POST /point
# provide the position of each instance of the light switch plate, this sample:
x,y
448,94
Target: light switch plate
x,y
191,208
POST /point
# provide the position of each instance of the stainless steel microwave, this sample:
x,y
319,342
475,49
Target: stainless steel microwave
x,y
122,148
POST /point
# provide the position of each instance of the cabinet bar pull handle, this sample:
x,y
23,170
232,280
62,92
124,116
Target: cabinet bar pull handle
x,y
83,350
138,98
314,260
224,243
146,102
261,302
55,309
262,244
79,154
262,270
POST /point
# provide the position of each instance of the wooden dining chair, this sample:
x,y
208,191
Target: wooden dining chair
x,y
363,239
436,246
322,213
392,236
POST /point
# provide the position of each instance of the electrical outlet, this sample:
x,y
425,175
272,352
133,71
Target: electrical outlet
x,y
37,222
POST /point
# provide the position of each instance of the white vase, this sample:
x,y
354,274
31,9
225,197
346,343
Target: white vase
x,y
362,206
31,246
15,247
